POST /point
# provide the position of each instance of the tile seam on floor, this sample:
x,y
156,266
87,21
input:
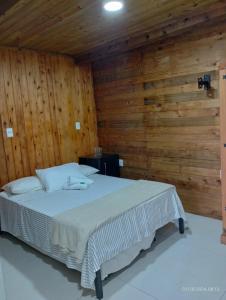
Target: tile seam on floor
x,y
224,294
141,290
138,289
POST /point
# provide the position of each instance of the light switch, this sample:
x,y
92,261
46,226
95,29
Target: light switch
x,y
9,132
77,125
121,162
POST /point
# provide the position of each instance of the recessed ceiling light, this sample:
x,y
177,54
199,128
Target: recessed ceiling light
x,y
113,5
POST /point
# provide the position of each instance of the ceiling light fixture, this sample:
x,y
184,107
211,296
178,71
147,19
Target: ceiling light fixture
x,y
113,6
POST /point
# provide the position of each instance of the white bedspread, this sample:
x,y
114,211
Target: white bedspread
x,y
52,204
72,229
29,217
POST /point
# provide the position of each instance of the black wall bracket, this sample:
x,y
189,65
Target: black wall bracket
x,y
204,82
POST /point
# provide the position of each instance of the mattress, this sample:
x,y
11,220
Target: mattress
x,y
29,217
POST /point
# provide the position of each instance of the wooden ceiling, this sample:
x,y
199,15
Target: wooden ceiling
x,y
83,29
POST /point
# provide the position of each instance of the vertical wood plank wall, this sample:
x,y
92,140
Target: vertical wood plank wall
x,y
222,85
41,97
151,112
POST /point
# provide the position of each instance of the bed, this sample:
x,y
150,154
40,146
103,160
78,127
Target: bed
x,y
31,218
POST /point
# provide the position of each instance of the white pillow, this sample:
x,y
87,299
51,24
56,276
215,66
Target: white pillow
x,y
55,178
23,185
87,170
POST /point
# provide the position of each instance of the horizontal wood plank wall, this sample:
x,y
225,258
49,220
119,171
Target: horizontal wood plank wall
x,y
152,113
41,97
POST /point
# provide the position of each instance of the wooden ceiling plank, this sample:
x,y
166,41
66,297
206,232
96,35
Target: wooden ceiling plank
x,y
21,18
58,33
83,29
176,27
59,38
93,34
88,45
13,10
17,13
172,11
46,17
6,5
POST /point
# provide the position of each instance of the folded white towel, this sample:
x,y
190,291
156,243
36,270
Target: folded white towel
x,y
77,183
76,186
73,180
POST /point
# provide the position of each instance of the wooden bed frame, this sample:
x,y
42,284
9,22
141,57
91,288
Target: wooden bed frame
x,y
98,279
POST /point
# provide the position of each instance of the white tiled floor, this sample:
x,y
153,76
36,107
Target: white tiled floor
x,y
175,268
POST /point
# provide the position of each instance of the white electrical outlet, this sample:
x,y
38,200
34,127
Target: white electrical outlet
x,y
77,125
9,132
121,162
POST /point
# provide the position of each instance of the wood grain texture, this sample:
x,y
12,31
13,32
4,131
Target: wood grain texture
x,y
83,27
152,113
223,143
6,5
185,23
41,97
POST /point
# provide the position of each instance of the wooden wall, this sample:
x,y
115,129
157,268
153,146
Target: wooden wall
x,y
152,113
41,97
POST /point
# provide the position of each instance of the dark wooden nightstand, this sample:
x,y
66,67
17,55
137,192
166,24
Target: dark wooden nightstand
x,y
108,164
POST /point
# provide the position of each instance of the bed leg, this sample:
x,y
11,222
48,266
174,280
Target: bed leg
x,y
98,285
181,225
